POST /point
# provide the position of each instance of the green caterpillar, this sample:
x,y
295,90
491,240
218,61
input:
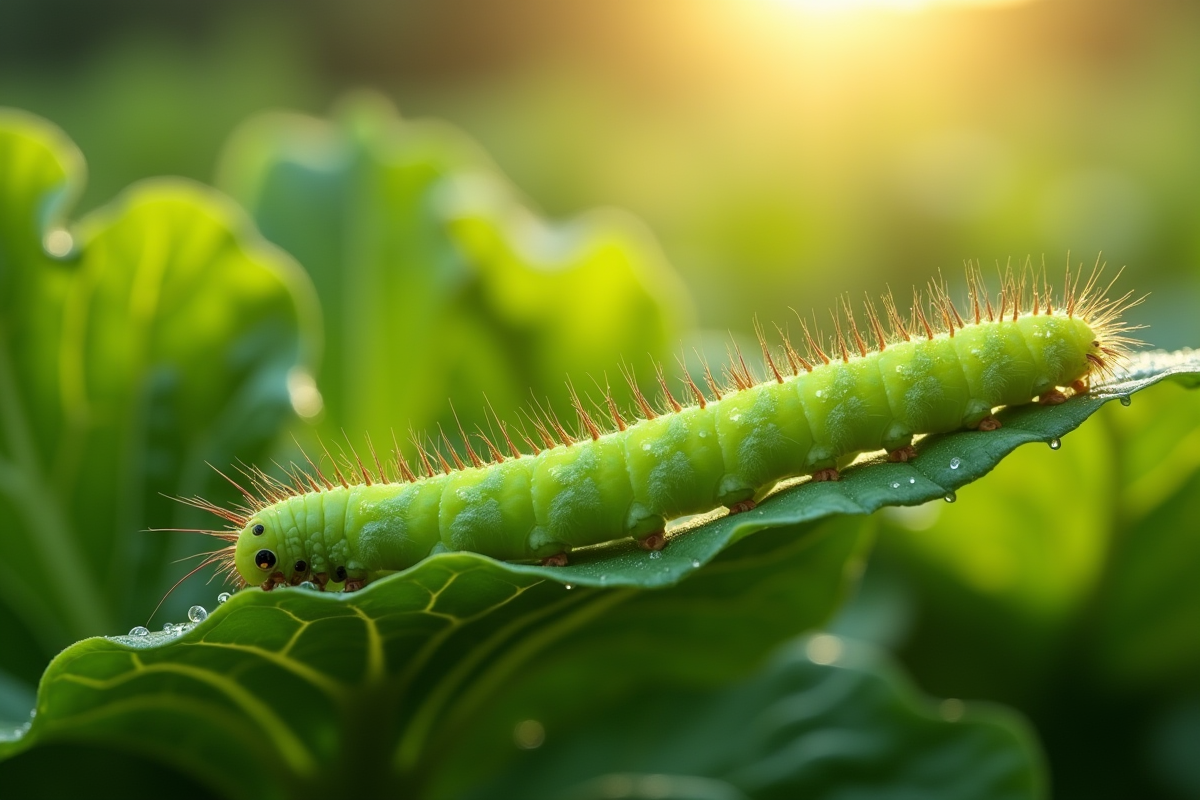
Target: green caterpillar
x,y
933,373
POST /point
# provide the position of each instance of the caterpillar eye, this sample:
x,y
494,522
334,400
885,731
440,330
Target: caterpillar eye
x,y
258,530
1096,343
265,559
300,566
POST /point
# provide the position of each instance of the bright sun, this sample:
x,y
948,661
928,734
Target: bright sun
x,y
836,6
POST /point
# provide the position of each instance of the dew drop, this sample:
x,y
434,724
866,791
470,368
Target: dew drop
x,y
955,463
646,446
197,613
655,554
1055,443
703,434
169,627
139,631
820,393
223,597
911,481
1126,400
695,562
950,497
895,484
33,711
309,585
568,586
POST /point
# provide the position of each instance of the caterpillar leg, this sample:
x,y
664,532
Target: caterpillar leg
x,y
556,560
320,579
1051,398
902,454
273,580
745,505
653,541
353,585
1081,386
989,423
828,474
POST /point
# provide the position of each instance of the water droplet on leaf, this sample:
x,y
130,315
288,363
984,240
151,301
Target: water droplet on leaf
x,y
139,631
655,554
1126,400
197,613
1055,443
955,463
223,597
950,497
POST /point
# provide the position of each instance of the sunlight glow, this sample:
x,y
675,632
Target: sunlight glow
x,y
843,6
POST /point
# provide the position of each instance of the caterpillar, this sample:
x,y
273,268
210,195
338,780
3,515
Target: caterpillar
x,y
940,369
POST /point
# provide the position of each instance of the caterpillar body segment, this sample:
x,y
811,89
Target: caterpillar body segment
x,y
728,451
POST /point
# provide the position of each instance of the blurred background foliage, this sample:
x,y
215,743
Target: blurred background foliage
x,y
782,152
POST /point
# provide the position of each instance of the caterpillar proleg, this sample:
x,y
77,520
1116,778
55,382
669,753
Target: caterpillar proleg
x,y
869,387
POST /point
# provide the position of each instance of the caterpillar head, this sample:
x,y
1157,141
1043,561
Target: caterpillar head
x,y
259,557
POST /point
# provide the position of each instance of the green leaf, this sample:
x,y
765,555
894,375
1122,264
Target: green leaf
x,y
1147,607
827,718
415,682
436,280
289,692
150,337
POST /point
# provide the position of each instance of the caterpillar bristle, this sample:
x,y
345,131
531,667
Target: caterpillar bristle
x,y
876,326
732,369
839,339
668,398
337,471
815,352
766,351
585,419
701,400
848,310
639,398
795,360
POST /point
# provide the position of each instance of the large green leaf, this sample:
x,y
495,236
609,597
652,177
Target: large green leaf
x,y
828,718
437,282
416,681
154,335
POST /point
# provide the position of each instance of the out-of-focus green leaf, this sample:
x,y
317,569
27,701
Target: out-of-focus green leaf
x,y
827,718
1147,613
437,282
416,681
154,335
1010,574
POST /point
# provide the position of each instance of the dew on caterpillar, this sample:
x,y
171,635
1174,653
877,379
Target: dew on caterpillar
x,y
821,404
